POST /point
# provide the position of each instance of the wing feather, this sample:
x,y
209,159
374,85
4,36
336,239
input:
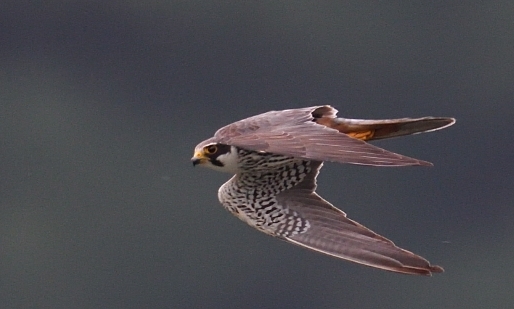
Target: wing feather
x,y
332,233
295,133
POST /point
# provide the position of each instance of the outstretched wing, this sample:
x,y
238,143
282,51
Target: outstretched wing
x,y
315,133
331,232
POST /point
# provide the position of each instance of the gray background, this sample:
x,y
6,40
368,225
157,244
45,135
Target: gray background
x,y
101,106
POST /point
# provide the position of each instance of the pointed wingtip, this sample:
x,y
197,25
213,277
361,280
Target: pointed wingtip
x,y
413,270
425,271
451,121
439,123
425,163
436,269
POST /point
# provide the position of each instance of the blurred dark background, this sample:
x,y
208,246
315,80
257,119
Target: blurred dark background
x,y
102,103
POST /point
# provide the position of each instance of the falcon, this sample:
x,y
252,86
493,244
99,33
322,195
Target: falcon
x,y
275,158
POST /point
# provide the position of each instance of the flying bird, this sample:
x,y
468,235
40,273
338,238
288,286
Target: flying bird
x,y
275,158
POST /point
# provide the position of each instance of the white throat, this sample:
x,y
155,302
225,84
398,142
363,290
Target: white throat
x,y
230,162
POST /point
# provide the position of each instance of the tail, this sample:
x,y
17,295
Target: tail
x,y
368,130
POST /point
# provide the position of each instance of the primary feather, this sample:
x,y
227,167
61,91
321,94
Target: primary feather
x,y
276,157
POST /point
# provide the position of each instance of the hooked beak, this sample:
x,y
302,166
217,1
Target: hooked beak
x,y
198,158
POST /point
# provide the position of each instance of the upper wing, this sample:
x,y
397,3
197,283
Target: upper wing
x,y
314,133
332,233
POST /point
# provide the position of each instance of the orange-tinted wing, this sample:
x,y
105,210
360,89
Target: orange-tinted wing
x,y
315,133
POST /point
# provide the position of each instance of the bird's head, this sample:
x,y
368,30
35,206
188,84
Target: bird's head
x,y
220,157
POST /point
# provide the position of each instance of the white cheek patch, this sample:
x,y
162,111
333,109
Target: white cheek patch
x,y
229,161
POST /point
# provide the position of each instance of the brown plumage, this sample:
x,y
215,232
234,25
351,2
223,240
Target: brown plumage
x,y
276,157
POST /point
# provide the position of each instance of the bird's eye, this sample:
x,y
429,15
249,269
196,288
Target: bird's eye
x,y
211,149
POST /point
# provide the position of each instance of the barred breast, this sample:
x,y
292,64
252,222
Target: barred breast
x,y
251,194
